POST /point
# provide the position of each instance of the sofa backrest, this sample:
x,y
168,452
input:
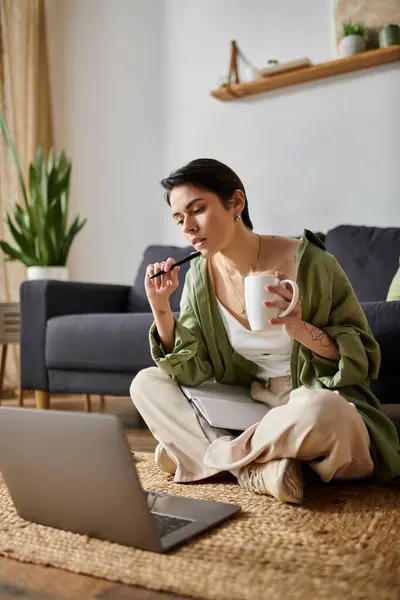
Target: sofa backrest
x,y
157,253
138,299
368,255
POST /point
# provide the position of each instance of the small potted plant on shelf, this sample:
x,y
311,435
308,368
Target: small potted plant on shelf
x,y
389,35
41,236
353,40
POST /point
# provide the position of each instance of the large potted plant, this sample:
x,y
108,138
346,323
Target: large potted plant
x,y
353,40
39,227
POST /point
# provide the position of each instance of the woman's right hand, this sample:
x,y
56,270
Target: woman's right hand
x,y
160,288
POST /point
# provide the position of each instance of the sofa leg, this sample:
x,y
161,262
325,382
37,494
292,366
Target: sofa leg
x,y
88,403
3,367
42,399
102,404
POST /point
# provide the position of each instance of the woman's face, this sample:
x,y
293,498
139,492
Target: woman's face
x,y
203,219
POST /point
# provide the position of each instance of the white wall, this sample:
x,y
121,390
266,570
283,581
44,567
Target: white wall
x,y
314,155
106,79
130,91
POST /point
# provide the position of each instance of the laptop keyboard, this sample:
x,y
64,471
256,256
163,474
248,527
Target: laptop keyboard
x,y
166,524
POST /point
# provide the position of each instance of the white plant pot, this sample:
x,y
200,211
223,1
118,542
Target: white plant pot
x,y
351,44
60,273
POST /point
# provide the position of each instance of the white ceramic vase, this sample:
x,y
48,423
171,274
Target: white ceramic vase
x,y
60,273
351,44
249,73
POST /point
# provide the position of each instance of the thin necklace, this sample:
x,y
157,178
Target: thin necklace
x,y
242,305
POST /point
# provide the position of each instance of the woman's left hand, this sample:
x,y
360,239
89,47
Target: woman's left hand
x,y
293,320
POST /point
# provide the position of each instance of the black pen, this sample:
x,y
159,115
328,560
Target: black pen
x,y
177,264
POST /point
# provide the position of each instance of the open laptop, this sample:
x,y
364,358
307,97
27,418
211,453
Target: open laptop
x,y
74,471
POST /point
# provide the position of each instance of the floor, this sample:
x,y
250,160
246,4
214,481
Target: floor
x,y
33,582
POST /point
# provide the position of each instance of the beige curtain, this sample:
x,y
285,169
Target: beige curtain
x,y
24,101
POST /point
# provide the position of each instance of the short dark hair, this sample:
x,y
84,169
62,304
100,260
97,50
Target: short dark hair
x,y
211,175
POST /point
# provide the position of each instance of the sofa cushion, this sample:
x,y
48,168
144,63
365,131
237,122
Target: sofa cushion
x,y
138,300
393,412
384,321
368,255
394,290
99,342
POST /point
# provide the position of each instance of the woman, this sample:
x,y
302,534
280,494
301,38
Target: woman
x,y
315,373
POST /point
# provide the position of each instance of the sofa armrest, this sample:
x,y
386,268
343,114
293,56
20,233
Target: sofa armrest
x,y
136,303
43,299
384,321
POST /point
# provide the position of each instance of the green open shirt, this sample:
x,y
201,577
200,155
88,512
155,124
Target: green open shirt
x,y
202,349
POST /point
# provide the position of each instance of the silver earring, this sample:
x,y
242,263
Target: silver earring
x,y
237,217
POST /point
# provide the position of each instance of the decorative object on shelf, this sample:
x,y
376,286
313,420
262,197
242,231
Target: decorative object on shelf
x,y
233,66
250,71
289,66
389,36
39,228
353,40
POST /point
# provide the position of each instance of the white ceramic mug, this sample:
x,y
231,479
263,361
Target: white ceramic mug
x,y
255,294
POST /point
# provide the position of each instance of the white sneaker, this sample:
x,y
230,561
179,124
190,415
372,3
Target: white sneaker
x,y
281,478
163,461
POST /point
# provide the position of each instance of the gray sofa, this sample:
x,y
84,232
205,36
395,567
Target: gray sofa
x,y
93,338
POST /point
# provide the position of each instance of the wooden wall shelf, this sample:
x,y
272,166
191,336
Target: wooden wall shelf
x,y
363,60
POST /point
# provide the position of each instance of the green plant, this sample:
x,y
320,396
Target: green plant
x,y
272,61
40,226
350,28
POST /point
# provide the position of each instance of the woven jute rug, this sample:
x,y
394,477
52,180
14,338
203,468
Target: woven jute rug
x,y
342,543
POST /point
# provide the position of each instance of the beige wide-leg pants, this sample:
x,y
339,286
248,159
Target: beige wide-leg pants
x,y
316,426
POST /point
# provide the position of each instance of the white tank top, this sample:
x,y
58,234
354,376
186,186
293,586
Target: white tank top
x,y
271,351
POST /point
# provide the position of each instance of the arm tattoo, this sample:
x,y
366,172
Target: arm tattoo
x,y
162,312
324,339
317,334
